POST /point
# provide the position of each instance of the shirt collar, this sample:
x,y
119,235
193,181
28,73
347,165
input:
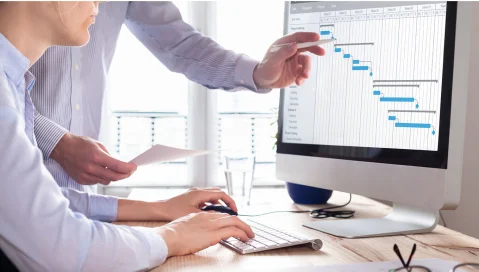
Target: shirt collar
x,y
29,81
14,62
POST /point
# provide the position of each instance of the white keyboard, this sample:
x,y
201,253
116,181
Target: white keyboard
x,y
267,238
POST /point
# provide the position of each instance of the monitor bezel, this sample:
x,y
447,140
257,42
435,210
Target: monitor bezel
x,y
421,158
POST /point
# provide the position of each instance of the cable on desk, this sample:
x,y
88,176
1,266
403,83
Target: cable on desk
x,y
326,212
318,213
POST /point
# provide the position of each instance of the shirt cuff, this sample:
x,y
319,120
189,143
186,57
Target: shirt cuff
x,y
103,208
243,74
158,248
48,134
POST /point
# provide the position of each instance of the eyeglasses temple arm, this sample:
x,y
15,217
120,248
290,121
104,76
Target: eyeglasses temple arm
x,y
411,255
396,249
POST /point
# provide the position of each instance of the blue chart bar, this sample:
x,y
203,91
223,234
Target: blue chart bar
x,y
360,68
325,32
347,56
392,118
355,61
337,49
376,92
396,99
412,125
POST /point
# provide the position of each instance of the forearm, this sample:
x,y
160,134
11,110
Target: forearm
x,y
109,208
133,210
182,49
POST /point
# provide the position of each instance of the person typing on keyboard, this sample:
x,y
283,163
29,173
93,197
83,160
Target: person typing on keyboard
x,y
47,228
40,230
266,237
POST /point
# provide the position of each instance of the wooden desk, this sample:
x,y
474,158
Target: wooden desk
x,y
441,243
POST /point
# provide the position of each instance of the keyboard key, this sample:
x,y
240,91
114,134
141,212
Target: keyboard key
x,y
261,239
269,243
260,233
298,235
257,245
236,243
274,238
245,247
271,237
290,239
281,241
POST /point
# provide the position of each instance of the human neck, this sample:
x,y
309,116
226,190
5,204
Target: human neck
x,y
21,29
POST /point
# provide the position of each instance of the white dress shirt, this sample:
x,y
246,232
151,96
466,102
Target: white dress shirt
x,y
38,229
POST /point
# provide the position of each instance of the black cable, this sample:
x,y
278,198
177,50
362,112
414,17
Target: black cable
x,y
261,214
318,213
325,212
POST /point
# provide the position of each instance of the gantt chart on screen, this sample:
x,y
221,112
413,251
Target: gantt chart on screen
x,y
379,84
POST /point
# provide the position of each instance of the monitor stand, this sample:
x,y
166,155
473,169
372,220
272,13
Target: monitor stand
x,y
402,220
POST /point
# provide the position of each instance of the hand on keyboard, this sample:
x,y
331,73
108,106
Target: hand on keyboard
x,y
195,232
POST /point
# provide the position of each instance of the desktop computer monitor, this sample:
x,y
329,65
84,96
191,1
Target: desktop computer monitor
x,y
383,112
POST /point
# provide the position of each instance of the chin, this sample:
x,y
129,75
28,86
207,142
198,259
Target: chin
x,y
80,40
83,41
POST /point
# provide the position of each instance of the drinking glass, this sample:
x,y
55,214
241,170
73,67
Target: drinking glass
x,y
239,174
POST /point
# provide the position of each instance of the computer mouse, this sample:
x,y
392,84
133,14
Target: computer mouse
x,y
219,208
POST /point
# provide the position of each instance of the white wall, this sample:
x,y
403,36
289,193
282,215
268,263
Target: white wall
x,y
465,218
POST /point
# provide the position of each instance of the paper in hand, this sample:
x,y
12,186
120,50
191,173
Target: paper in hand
x,y
163,153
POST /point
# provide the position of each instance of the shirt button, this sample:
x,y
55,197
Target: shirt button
x,y
77,67
77,106
242,81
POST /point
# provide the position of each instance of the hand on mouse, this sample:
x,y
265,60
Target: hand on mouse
x,y
198,231
192,201
167,210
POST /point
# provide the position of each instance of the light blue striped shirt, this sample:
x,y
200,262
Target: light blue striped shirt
x,y
72,81
40,230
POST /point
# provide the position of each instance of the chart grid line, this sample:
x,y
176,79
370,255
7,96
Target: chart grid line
x,y
404,80
397,85
413,111
353,44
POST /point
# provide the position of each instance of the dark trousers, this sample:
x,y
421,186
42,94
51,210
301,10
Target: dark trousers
x,y
5,264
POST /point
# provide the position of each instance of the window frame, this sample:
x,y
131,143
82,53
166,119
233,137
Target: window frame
x,y
202,120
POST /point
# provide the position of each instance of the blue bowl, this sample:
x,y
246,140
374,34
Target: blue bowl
x,y
302,194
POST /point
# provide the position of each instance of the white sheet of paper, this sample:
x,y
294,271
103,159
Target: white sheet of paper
x,y
435,265
163,153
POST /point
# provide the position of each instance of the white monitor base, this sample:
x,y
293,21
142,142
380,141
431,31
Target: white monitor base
x,y
401,220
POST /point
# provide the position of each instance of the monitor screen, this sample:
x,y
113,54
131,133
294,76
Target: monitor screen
x,y
383,88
